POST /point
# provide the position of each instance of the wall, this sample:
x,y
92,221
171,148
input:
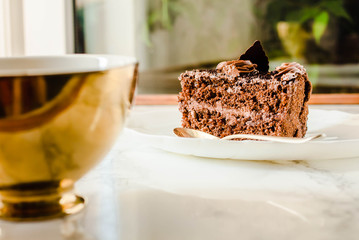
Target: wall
x,y
210,30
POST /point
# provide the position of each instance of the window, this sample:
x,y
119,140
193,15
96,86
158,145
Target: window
x,y
36,27
170,36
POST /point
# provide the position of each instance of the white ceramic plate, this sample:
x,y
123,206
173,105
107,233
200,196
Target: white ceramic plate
x,y
342,130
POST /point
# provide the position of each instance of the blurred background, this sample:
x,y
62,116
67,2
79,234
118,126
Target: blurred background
x,y
171,36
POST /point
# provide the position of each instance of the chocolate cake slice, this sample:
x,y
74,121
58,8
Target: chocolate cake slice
x,y
241,96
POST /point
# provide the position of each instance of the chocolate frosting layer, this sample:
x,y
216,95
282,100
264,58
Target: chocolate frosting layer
x,y
256,55
288,71
235,67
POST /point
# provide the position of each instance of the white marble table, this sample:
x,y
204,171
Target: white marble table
x,y
141,193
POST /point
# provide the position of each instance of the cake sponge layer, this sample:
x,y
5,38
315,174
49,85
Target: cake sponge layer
x,y
222,104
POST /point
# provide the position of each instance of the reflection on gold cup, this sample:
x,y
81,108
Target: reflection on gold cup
x,y
54,127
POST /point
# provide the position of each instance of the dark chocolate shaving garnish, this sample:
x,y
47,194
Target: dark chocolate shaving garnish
x,y
256,55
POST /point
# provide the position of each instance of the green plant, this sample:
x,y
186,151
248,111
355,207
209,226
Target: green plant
x,y
161,15
313,13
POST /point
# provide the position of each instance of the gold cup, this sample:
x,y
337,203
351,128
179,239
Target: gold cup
x,y
59,116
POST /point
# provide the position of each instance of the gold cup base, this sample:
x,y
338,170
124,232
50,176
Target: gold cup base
x,y
39,201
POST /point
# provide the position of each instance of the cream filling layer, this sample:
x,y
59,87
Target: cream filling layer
x,y
232,114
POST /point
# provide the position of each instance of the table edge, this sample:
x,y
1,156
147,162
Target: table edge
x,y
171,99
